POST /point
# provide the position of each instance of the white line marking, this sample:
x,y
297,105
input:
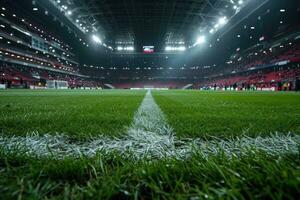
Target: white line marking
x,y
149,136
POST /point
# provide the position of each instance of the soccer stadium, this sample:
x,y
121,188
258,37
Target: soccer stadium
x,y
140,99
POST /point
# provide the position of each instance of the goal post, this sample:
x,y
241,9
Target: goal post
x,y
57,84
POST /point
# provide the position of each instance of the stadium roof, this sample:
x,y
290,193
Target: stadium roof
x,y
148,22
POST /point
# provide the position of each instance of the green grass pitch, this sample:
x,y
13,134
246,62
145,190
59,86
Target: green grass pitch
x,y
223,114
192,114
75,113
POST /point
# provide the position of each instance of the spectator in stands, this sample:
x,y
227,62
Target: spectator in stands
x,y
215,86
279,86
297,86
234,86
285,86
290,86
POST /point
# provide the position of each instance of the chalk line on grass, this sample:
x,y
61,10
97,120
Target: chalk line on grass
x,y
149,136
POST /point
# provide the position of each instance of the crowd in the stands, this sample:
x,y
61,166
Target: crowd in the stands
x,y
275,78
276,67
289,53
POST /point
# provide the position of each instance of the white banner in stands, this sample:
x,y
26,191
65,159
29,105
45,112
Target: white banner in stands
x,y
2,86
268,89
284,62
33,87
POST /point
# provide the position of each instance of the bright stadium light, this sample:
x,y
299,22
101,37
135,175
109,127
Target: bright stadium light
x,y
168,48
222,21
130,48
201,39
120,48
172,48
96,39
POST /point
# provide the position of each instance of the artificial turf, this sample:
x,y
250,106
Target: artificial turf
x,y
255,175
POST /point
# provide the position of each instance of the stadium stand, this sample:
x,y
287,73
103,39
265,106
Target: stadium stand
x,y
30,56
275,78
274,66
16,76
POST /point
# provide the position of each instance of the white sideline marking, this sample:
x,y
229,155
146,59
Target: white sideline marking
x,y
149,136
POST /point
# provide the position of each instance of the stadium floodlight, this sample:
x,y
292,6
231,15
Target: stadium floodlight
x,y
120,48
179,48
168,48
130,48
201,39
96,39
222,21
